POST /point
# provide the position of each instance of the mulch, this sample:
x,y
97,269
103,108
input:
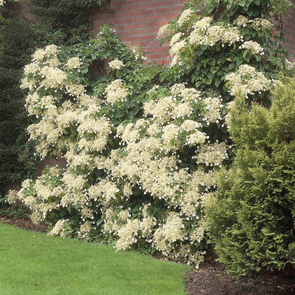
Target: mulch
x,y
25,224
211,278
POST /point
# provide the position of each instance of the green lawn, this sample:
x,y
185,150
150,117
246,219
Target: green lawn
x,y
34,263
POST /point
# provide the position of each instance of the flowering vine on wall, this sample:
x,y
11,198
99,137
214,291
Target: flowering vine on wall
x,y
142,143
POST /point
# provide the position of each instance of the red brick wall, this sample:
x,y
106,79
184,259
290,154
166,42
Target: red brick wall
x,y
289,26
138,22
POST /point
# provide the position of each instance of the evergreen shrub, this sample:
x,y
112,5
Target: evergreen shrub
x,y
251,219
16,155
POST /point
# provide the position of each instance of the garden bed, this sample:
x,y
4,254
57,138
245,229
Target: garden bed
x,y
213,279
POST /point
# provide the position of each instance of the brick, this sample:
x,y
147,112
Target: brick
x,y
162,11
170,3
130,39
138,22
140,7
154,30
155,4
131,14
147,12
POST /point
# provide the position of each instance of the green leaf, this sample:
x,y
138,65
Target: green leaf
x,y
217,83
231,66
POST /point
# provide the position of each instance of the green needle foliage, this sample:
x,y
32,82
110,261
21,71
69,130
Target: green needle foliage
x,y
251,220
33,263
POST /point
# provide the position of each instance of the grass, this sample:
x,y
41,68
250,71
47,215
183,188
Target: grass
x,y
34,263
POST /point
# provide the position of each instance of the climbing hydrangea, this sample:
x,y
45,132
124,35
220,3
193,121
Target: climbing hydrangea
x,y
141,144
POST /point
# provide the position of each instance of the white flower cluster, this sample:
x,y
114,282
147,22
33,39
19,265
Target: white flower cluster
x,y
146,157
257,23
213,107
261,24
116,64
175,38
202,32
73,63
116,92
58,228
253,47
246,81
289,64
212,154
91,131
185,16
163,30
45,66
206,34
178,105
241,21
202,24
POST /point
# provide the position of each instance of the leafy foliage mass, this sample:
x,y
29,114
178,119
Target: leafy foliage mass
x,y
64,21
143,143
251,220
16,155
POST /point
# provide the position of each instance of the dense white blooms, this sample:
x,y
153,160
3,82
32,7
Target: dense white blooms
x,y
185,16
163,157
261,24
246,81
241,21
116,64
58,228
73,63
163,30
175,38
253,47
116,91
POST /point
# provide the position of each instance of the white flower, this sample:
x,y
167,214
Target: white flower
x,y
73,63
116,64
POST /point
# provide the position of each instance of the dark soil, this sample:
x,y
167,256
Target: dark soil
x,y
211,278
24,224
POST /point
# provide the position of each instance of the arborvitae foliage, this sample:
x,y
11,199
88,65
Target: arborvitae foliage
x,y
251,220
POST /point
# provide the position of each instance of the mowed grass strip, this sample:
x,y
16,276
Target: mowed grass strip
x,y
34,263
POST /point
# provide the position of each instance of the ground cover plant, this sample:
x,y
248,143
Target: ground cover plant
x,y
34,263
142,142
